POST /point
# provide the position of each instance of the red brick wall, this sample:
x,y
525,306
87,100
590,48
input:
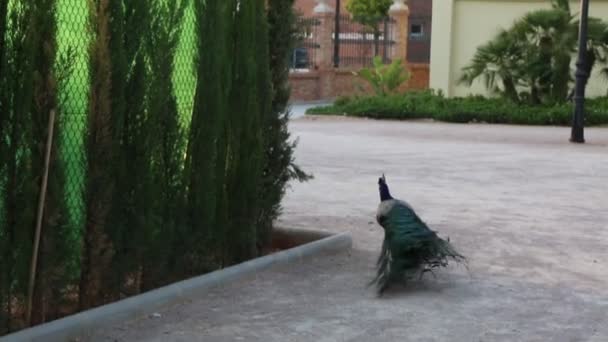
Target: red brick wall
x,y
304,86
346,84
305,6
418,7
308,87
420,13
419,48
419,76
328,84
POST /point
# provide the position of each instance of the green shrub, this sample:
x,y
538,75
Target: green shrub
x,y
384,79
342,100
428,105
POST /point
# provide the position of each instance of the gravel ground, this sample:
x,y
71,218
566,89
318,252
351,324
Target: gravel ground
x,y
528,209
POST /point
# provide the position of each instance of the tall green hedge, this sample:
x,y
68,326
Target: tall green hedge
x,y
428,105
171,154
279,165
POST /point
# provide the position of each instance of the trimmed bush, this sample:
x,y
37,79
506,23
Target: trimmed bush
x,y
428,105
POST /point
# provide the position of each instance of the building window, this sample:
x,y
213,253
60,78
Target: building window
x,y
416,31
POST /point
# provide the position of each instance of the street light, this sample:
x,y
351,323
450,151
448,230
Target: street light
x,y
337,36
578,134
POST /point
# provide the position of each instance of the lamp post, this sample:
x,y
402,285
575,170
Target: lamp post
x,y
337,36
578,135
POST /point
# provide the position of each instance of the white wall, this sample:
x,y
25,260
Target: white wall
x,y
460,26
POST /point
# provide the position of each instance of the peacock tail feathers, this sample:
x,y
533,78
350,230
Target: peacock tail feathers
x,y
410,248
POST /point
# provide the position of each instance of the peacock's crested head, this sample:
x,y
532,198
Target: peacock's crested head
x,y
385,194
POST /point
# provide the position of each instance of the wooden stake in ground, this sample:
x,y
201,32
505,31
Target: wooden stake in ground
x,y
42,200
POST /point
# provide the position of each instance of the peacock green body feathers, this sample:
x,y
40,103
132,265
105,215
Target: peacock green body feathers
x,y
410,248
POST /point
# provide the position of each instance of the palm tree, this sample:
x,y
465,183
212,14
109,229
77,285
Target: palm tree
x,y
598,44
496,61
551,36
532,58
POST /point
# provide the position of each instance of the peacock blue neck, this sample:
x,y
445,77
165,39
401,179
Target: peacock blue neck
x,y
385,194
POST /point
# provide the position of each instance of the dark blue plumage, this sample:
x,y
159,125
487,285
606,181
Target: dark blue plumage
x,y
385,193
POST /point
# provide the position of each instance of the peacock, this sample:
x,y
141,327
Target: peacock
x,y
410,248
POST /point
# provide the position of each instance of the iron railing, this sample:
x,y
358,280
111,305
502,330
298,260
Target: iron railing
x,y
358,44
419,39
304,54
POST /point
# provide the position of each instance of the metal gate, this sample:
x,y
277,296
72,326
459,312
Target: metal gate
x,y
304,54
357,44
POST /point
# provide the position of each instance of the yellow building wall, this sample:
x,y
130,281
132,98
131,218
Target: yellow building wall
x,y
460,26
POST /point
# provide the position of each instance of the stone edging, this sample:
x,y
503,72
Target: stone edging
x,y
144,304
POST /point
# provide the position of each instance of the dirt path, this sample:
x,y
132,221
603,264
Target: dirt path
x,y
527,208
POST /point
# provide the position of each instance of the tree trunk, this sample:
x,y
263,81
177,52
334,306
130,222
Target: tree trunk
x,y
96,255
534,95
97,248
376,40
510,89
561,79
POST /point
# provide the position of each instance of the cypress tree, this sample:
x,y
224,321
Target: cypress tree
x,y
28,94
207,136
166,147
18,192
4,158
250,99
151,213
241,176
100,147
122,27
128,225
55,249
3,27
279,166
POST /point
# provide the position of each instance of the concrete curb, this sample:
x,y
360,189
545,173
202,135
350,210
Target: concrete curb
x,y
312,102
144,304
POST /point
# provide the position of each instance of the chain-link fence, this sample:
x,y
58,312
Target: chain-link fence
x,y
73,34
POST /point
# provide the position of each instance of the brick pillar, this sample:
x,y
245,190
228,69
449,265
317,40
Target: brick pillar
x,y
324,60
400,13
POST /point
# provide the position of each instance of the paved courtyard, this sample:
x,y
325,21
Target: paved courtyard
x,y
528,209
